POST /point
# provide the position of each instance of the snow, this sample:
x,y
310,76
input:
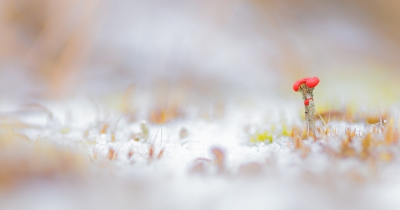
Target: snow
x,y
277,176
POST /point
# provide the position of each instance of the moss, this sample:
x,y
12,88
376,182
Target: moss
x,y
261,137
285,131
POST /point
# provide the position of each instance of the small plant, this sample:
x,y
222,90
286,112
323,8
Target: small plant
x,y
145,130
219,158
306,87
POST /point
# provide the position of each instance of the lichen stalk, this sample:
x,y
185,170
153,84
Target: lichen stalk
x,y
307,94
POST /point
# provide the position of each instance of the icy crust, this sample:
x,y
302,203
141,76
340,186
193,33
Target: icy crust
x,y
169,170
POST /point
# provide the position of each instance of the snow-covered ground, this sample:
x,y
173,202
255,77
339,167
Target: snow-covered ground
x,y
205,162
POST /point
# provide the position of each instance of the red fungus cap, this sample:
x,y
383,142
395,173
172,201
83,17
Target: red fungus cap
x,y
310,82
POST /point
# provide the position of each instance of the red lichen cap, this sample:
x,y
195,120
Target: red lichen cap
x,y
310,82
297,84
307,101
